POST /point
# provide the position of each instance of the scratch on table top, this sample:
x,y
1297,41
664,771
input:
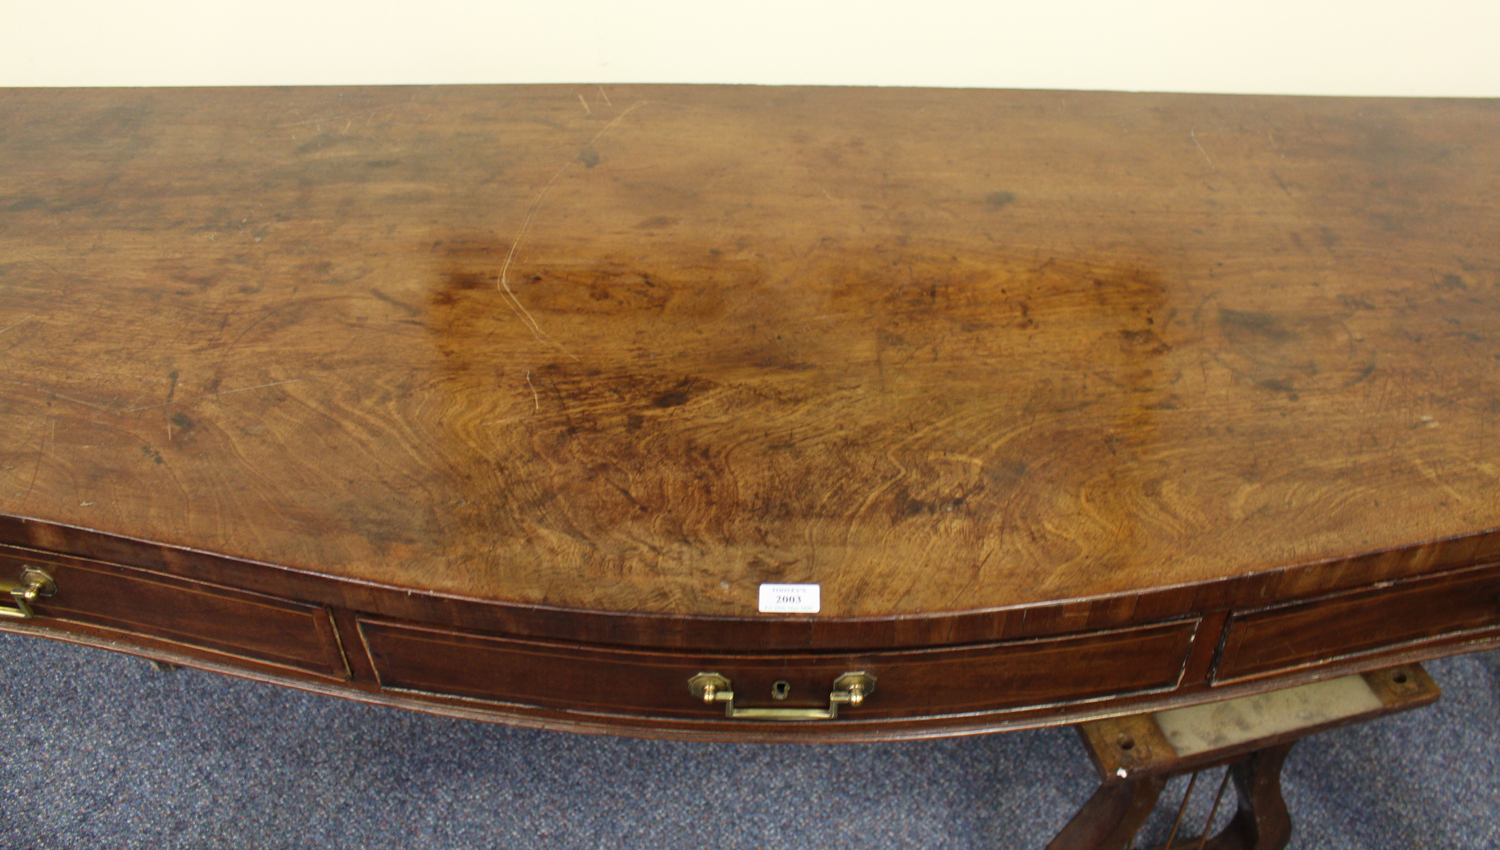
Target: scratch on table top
x,y
366,114
17,324
37,467
171,392
72,400
1193,134
210,395
957,458
503,281
1432,475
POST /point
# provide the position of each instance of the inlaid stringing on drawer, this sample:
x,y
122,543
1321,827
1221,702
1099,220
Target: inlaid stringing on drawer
x,y
1320,631
934,682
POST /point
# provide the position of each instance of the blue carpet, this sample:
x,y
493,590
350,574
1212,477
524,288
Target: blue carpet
x,y
103,751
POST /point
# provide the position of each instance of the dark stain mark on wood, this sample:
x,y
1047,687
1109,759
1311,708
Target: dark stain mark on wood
x,y
1260,324
457,282
1171,402
1006,472
30,202
670,399
999,199
1363,374
915,507
318,143
1146,342
381,296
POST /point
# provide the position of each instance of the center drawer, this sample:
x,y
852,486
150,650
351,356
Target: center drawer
x,y
909,683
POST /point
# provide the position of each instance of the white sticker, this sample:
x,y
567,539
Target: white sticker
x,y
790,598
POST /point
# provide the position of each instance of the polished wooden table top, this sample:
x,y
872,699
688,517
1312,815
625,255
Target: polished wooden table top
x,y
641,349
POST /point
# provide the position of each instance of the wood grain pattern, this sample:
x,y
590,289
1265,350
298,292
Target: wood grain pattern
x,y
939,351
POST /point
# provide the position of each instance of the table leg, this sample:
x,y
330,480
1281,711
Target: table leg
x,y
1262,821
1111,818
1137,754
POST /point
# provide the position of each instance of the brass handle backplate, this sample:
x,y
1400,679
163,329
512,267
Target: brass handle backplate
x,y
31,586
850,689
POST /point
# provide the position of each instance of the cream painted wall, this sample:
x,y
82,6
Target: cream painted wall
x,y
1437,47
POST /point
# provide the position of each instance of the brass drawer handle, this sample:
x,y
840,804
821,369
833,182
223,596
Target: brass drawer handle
x,y
850,689
32,585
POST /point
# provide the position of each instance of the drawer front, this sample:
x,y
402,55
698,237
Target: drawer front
x,y
195,614
1411,613
922,683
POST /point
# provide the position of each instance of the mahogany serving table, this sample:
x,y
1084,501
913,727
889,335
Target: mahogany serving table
x,y
752,413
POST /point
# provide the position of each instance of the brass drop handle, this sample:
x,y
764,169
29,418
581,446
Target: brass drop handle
x,y
32,585
850,689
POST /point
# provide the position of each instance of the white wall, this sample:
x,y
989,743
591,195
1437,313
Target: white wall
x,y
1437,47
